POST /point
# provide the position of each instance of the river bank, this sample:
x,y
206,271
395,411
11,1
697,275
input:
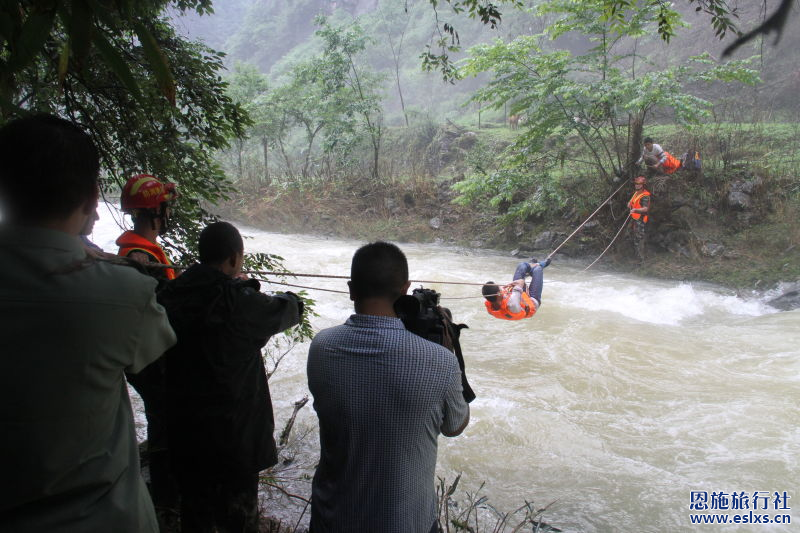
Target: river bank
x,y
750,250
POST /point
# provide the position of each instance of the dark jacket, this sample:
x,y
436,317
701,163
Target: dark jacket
x,y
218,403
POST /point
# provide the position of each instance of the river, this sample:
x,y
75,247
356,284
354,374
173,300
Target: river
x,y
621,398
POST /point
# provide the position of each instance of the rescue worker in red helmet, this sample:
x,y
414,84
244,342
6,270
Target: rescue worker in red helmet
x,y
514,301
147,200
639,206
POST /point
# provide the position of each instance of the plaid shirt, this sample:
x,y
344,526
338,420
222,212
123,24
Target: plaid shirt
x,y
382,395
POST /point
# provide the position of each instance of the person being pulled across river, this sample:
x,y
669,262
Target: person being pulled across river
x,y
639,206
147,200
219,411
514,301
68,454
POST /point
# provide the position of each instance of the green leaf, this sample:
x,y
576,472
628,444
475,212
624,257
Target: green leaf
x,y
118,65
33,35
81,25
158,62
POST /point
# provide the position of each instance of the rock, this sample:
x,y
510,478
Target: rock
x,y
389,203
711,249
477,243
467,140
435,223
679,249
739,200
544,240
590,225
684,217
515,252
789,300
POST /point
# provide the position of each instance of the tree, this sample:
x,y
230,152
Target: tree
x,y
585,110
247,88
613,12
359,87
152,101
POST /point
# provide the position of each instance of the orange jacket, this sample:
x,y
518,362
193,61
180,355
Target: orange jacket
x,y
133,242
636,203
527,311
671,164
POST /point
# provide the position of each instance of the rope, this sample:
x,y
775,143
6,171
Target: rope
x,y
300,286
624,183
609,244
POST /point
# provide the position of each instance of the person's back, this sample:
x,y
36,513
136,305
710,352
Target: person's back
x,y
379,392
70,328
219,410
69,452
382,395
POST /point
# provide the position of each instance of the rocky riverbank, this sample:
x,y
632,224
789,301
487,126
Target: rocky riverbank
x,y
727,224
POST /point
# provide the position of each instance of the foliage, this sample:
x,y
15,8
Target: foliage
x,y
151,100
453,517
106,73
332,96
586,110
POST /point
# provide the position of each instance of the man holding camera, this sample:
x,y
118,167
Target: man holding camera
x,y
382,395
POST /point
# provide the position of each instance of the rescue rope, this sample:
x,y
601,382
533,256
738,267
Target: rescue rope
x,y
299,286
624,183
609,244
346,292
128,262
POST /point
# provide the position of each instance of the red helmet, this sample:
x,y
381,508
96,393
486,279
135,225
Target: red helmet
x,y
144,191
640,179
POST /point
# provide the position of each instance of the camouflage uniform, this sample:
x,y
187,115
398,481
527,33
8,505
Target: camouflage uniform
x,y
638,229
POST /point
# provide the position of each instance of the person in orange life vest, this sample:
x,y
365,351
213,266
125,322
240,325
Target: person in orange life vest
x,y
639,206
657,159
512,301
147,200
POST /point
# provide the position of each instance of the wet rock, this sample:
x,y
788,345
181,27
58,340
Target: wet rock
x,y
515,252
435,223
544,240
679,249
790,299
477,243
711,249
591,225
467,140
739,200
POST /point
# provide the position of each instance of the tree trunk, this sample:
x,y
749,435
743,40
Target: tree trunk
x,y
636,127
265,145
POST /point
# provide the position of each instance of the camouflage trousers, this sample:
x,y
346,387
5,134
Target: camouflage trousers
x,y
638,229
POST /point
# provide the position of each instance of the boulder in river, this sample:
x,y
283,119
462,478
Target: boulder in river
x,y
790,299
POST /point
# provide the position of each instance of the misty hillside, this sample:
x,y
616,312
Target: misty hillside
x,y
275,34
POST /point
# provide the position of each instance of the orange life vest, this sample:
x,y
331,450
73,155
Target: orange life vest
x,y
133,242
526,302
636,203
671,164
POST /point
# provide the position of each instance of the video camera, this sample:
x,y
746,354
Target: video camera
x,y
422,315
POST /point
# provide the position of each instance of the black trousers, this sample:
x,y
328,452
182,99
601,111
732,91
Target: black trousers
x,y
228,505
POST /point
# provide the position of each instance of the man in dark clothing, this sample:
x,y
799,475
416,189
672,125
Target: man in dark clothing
x,y
219,410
